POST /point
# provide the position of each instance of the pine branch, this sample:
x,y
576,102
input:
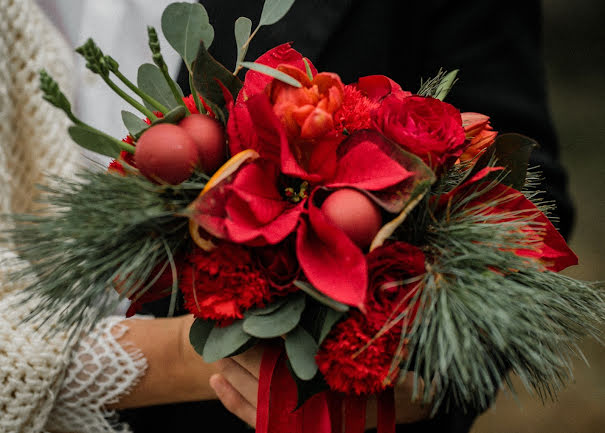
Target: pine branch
x,y
107,230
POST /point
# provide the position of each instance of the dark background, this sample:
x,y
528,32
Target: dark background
x,y
574,41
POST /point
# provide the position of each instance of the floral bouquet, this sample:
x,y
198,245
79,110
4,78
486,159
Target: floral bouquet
x,y
364,231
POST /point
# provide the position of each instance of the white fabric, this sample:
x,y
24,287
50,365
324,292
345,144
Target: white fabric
x,y
34,396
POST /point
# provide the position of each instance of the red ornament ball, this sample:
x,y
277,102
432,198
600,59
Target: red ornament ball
x,y
165,153
355,214
209,138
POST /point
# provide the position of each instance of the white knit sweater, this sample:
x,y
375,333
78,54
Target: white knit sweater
x,y
46,384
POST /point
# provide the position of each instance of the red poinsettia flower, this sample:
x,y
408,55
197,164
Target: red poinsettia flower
x,y
542,240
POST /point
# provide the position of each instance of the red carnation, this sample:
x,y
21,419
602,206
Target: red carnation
x,y
355,112
349,360
426,127
223,283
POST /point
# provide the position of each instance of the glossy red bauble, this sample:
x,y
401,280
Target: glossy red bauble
x,y
355,214
209,138
165,153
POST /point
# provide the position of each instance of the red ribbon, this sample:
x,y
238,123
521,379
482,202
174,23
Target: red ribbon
x,y
326,412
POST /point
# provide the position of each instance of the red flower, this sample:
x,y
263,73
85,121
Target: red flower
x,y
279,264
378,87
426,127
222,284
479,135
349,359
355,112
542,241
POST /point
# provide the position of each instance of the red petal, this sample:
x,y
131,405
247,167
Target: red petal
x,y
248,208
255,82
330,260
377,87
366,166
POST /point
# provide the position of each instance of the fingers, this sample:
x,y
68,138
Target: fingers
x,y
233,401
251,359
240,379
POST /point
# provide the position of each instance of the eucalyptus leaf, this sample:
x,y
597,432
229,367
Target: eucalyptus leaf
x,y
278,323
198,334
223,342
151,81
173,116
268,309
301,349
274,10
272,72
206,72
320,297
94,141
184,25
330,319
133,123
243,28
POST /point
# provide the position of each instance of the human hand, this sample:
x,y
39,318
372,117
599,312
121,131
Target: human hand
x,y
236,383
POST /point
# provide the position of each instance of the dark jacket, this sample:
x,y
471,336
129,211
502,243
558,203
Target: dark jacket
x,y
495,44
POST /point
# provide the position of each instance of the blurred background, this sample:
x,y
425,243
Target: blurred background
x,y
574,42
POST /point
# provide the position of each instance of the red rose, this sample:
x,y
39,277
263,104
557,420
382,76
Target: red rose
x,y
349,360
223,283
279,264
426,127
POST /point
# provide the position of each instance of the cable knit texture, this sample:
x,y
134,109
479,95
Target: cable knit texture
x,y
47,384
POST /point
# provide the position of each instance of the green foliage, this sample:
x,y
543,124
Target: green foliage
x,y
439,86
223,342
301,349
278,322
485,310
511,151
133,123
273,11
174,116
150,80
53,94
184,25
320,297
199,333
206,72
95,141
243,28
106,230
272,72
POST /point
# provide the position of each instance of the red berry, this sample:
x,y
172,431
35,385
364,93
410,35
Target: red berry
x,y
355,214
165,153
209,138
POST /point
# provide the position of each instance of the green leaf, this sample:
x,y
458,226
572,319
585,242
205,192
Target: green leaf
x,y
267,70
243,28
511,151
330,319
94,141
446,84
320,297
269,309
151,81
133,123
198,334
206,72
301,349
273,11
278,323
173,116
223,342
184,25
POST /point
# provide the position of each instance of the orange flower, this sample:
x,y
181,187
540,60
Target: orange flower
x,y
307,112
479,134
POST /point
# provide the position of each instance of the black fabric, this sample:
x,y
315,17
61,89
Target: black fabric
x,y
495,44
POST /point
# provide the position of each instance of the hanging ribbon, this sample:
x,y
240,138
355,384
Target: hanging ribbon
x,y
325,412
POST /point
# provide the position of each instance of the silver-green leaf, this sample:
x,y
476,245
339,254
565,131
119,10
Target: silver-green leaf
x,y
267,70
133,123
184,25
199,333
222,342
301,349
94,141
243,28
446,85
278,323
151,81
274,10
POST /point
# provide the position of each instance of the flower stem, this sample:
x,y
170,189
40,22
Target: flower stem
x,y
149,99
147,112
